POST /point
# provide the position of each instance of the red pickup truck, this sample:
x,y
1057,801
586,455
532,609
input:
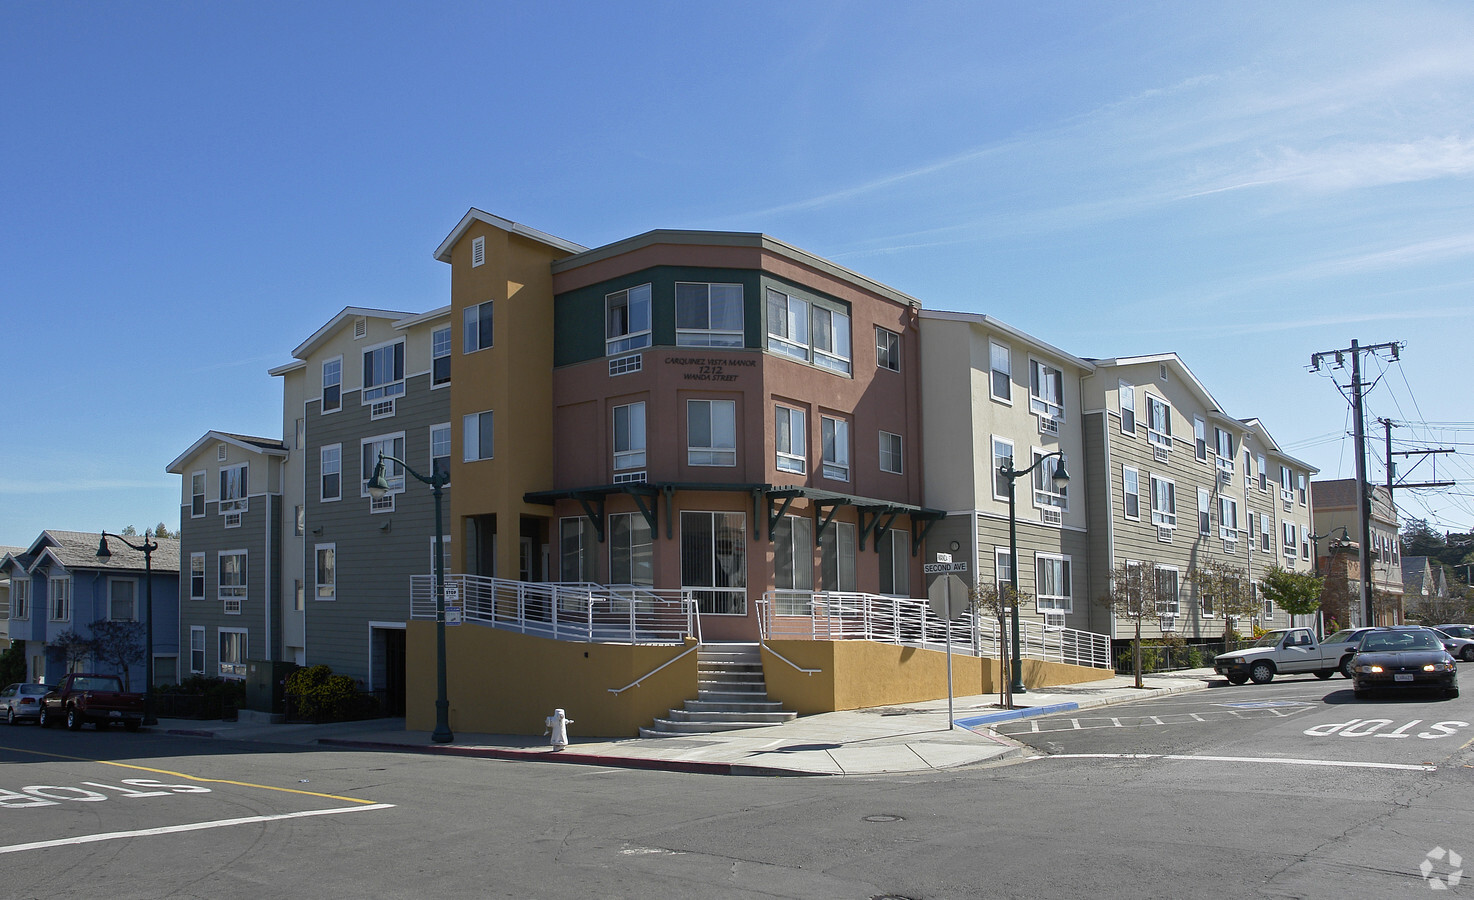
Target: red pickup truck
x,y
85,697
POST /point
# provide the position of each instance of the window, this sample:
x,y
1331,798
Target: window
x,y
895,563
1002,567
440,449
1200,438
831,338
232,579
325,571
196,649
835,435
1205,516
1046,389
1223,441
196,495
627,320
1131,492
332,384
233,650
575,537
1290,540
476,436
1305,548
1164,502
59,590
630,560
1045,493
197,576
711,432
1168,597
788,325
890,453
331,457
1263,469
476,327
1287,483
1127,394
887,349
1268,609
1159,422
1052,583
383,372
370,451
837,557
478,251
233,489
714,561
20,598
708,315
299,520
1300,489
793,554
1228,518
1001,362
1248,470
629,436
1266,533
1002,456
440,356
789,427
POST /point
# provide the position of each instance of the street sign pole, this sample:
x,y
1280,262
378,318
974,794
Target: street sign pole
x,y
945,567
947,599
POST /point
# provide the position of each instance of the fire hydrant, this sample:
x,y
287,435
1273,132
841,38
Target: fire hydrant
x,y
557,729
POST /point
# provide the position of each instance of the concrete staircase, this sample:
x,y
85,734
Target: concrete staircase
x,y
731,694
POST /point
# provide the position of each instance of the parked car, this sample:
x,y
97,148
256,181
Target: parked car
x,y
22,701
86,697
1458,631
1403,657
1289,651
1460,647
1346,640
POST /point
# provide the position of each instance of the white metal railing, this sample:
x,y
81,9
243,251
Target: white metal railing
x,y
838,616
615,614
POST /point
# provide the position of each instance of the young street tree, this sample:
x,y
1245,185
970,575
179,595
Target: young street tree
x,y
1297,593
1134,595
998,602
72,648
1223,591
118,644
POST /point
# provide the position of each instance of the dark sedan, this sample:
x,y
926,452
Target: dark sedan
x,y
1403,658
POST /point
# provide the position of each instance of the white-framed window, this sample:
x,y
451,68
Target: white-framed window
x,y
1300,486
789,430
1305,547
1002,456
476,327
325,571
1000,361
788,325
831,338
627,320
478,251
1159,422
197,649
440,356
197,576
575,540
793,554
1169,600
629,435
476,436
332,384
1268,609
1164,502
1263,469
20,597
1046,389
895,563
231,581
1291,541
440,449
383,372
708,315
1200,438
890,453
1287,483
887,349
837,557
370,449
1127,394
1228,518
1130,493
1002,568
714,561
122,599
234,650
1266,533
1053,584
233,489
1205,506
1223,444
711,432
1248,469
1045,492
196,495
330,458
835,436
59,594
631,559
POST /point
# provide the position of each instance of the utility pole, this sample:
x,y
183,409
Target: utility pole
x,y
1363,490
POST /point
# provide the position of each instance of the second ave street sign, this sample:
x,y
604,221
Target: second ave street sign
x,y
945,568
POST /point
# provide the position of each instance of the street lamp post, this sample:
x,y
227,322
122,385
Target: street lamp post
x,y
147,550
378,486
1060,478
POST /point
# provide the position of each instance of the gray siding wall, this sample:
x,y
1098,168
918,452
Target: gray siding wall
x,y
259,535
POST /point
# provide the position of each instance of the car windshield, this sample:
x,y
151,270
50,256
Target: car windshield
x,y
1342,635
1271,639
33,689
1396,641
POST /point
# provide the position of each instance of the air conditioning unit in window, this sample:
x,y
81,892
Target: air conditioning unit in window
x,y
629,478
623,365
1048,425
382,409
1225,477
1230,546
232,520
1167,623
1051,517
1164,534
1054,621
232,606
1289,505
1159,453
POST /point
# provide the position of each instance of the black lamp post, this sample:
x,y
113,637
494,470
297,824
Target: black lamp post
x,y
1061,478
378,486
147,550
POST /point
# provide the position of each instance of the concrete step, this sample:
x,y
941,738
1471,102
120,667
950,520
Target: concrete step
x,y
732,687
777,717
734,705
667,727
732,696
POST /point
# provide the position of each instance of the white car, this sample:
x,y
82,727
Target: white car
x,y
22,701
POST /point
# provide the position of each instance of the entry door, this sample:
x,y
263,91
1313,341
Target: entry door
x,y
394,667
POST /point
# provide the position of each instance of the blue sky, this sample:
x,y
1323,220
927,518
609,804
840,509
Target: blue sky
x,y
188,190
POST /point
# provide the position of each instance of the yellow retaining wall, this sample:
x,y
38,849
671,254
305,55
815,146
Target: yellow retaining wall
x,y
502,682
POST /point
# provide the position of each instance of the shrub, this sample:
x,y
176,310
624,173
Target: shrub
x,y
316,693
201,696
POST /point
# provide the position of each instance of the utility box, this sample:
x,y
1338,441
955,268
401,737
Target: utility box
x,y
265,684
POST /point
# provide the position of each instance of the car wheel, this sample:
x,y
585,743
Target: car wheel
x,y
44,718
10,716
1261,673
1323,674
1346,667
1237,679
1467,655
74,721
132,724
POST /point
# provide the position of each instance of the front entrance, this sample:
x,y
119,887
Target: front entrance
x,y
389,669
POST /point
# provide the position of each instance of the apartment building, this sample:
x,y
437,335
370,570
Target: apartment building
x,y
1336,515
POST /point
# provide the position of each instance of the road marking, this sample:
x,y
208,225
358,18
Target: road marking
x,y
176,829
264,787
1248,759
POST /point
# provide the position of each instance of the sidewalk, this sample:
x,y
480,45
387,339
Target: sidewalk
x,y
909,738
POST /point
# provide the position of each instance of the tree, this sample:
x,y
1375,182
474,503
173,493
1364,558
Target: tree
x,y
162,531
1419,539
1223,590
118,644
129,531
71,647
13,663
998,601
1134,594
1297,593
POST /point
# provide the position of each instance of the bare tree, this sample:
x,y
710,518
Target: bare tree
x,y
119,644
72,648
1134,595
998,602
1223,590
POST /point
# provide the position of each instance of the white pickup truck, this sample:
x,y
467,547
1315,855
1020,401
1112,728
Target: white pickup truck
x,y
1289,651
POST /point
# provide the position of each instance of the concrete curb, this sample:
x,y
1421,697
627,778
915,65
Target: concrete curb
x,y
553,756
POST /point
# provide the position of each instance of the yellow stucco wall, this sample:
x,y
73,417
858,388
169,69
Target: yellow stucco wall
x,y
502,682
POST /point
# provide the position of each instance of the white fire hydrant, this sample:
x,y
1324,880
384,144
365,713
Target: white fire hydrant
x,y
557,730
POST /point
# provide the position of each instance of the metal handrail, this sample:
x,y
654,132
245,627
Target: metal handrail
x,y
789,661
637,681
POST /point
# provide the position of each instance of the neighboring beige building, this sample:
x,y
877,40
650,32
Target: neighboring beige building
x,y
1335,509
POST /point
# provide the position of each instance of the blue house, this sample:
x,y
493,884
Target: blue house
x,y
60,584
